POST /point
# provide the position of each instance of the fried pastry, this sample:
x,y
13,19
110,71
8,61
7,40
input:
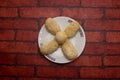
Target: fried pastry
x,y
69,50
49,47
52,26
61,37
72,29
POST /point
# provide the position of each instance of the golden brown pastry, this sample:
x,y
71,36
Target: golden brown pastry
x,y
52,26
49,47
72,29
61,37
69,50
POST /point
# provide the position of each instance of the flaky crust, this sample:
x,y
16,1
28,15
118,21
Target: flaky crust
x,y
49,47
52,26
72,29
69,50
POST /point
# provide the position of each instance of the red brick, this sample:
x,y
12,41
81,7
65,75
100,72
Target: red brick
x,y
87,61
18,24
100,3
94,49
16,71
36,79
112,60
82,13
20,47
100,73
102,25
112,48
4,35
39,12
14,3
7,58
59,2
113,13
27,35
32,60
8,12
113,37
94,36
7,78
57,72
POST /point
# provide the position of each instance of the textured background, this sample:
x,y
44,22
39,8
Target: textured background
x,y
21,20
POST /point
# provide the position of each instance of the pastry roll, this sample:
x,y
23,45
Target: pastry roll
x,y
69,50
49,47
72,29
61,37
52,26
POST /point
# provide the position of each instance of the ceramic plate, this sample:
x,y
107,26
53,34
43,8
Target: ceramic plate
x,y
78,40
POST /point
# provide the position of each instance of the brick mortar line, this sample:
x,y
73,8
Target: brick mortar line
x,y
112,55
26,41
14,36
83,22
39,6
15,60
39,77
78,72
7,76
18,12
19,29
102,43
38,3
60,9
49,77
37,42
35,30
25,54
22,53
102,30
52,66
106,31
38,23
38,54
16,18
80,3
40,26
15,41
35,71
102,58
104,36
91,54
29,18
57,66
19,53
59,78
104,16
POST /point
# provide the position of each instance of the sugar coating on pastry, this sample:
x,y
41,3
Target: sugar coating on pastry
x,y
69,50
72,29
49,47
52,26
61,37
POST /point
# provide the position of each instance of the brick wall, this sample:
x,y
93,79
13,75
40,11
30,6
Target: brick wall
x,y
21,20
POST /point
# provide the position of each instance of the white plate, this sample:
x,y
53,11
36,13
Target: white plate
x,y
78,40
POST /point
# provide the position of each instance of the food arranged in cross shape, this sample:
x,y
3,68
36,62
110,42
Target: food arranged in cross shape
x,y
61,39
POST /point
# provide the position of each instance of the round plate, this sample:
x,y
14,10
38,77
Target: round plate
x,y
78,40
